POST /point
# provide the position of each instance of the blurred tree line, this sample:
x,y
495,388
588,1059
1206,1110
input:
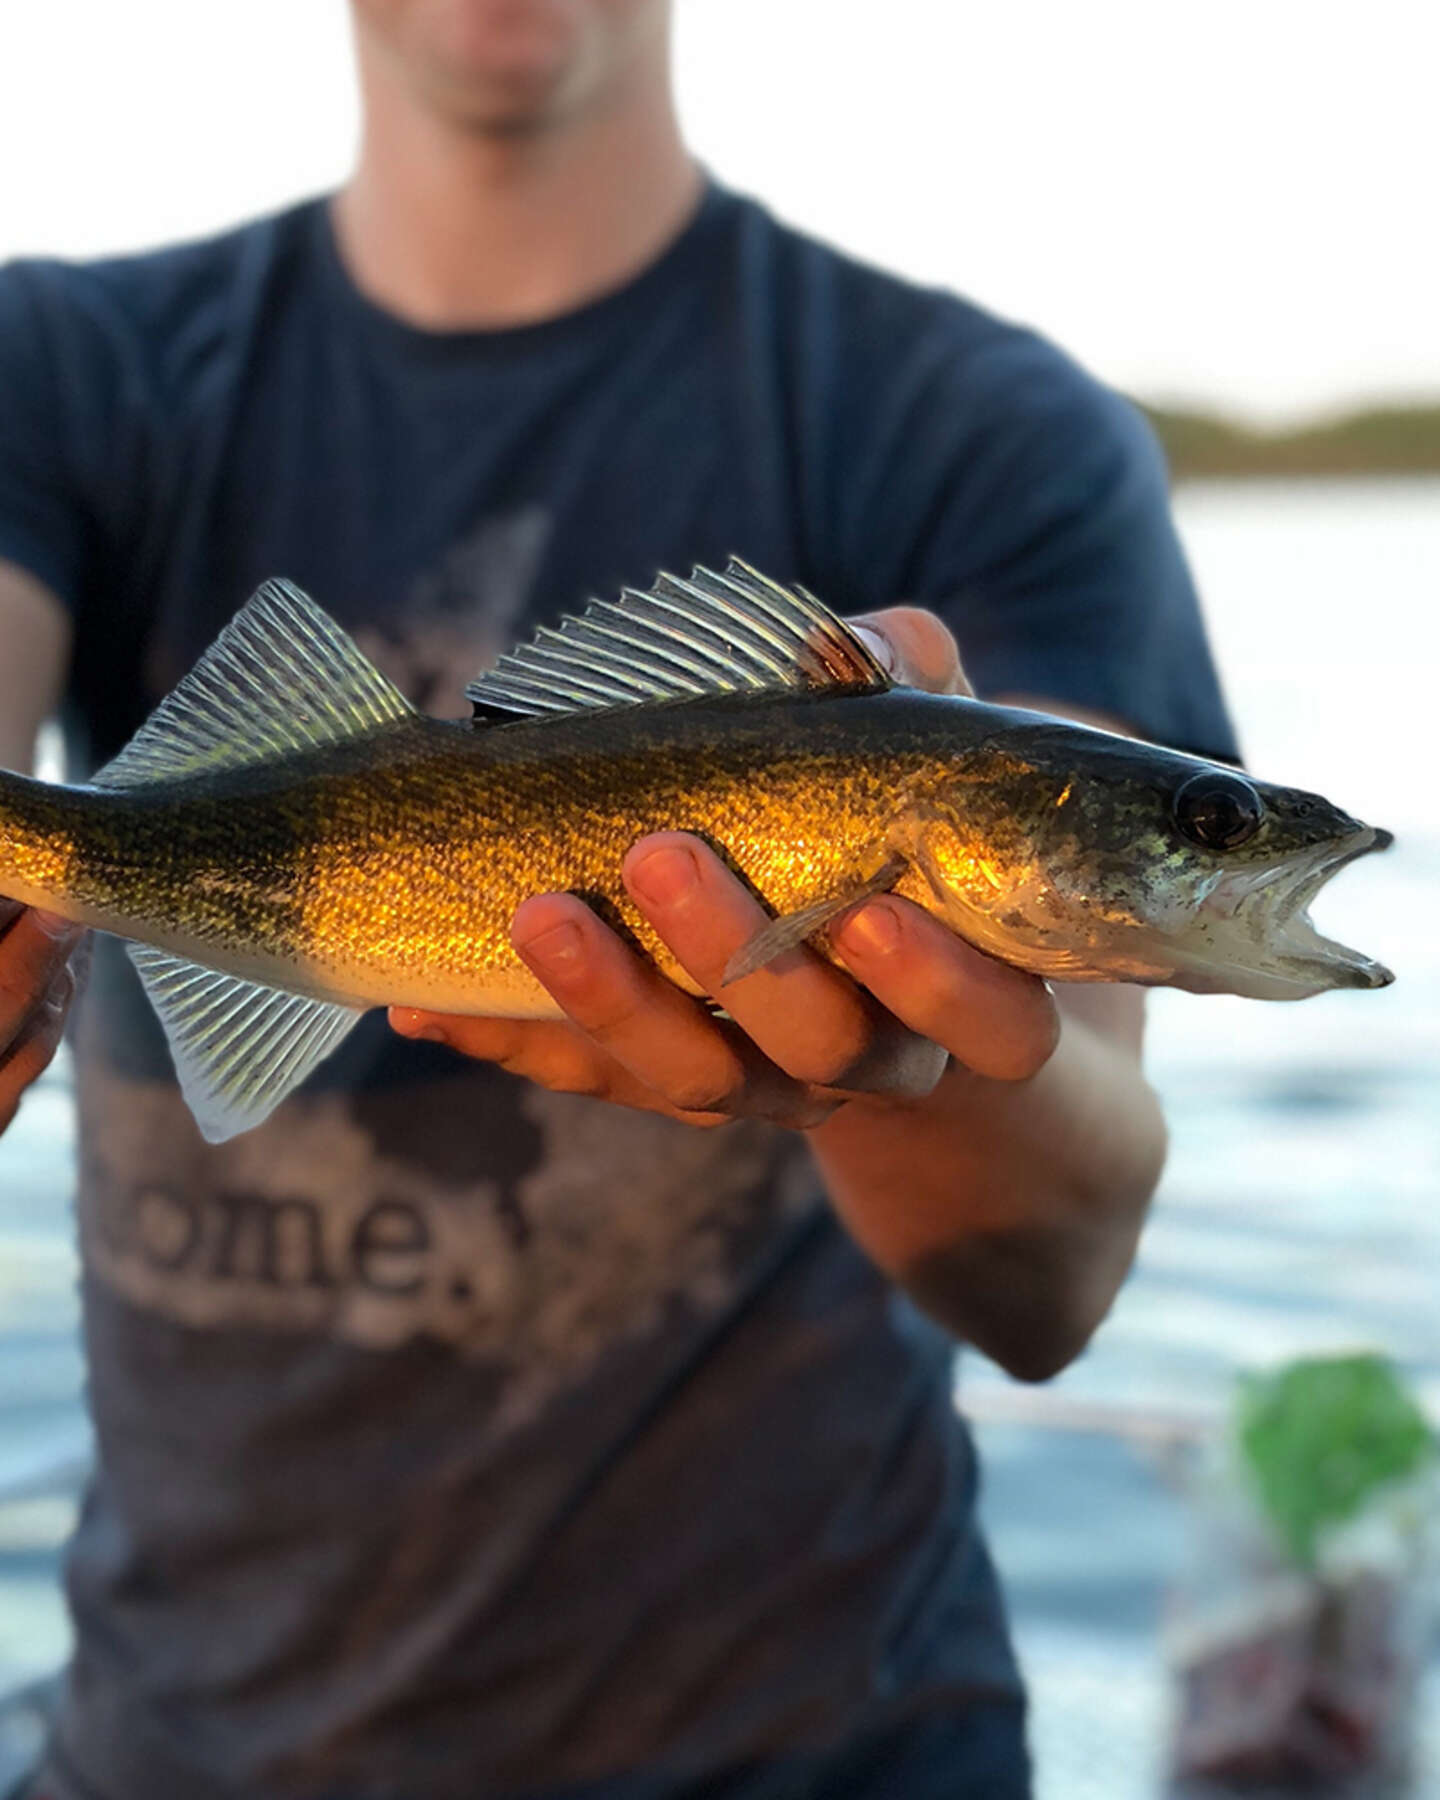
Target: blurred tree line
x,y
1389,440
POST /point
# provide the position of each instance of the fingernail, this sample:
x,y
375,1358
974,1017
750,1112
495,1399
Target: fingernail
x,y
411,1023
557,949
871,930
876,643
665,877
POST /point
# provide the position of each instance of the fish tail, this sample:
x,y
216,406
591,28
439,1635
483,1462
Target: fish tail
x,y
37,843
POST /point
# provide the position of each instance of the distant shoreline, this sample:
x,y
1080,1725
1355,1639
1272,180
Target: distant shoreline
x,y
1393,440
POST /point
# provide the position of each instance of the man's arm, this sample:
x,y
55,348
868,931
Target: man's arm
x,y
1023,1201
1010,1210
35,981
1005,1190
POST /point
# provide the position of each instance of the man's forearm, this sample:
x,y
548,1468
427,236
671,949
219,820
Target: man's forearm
x,y
1009,1210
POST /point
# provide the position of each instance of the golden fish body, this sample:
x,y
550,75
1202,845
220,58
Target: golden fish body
x,y
387,872
339,851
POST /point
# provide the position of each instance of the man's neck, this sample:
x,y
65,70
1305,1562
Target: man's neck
x,y
452,228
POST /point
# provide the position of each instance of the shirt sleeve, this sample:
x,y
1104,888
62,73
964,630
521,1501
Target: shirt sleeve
x,y
1036,504
43,521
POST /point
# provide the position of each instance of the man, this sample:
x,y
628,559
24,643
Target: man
x,y
479,1426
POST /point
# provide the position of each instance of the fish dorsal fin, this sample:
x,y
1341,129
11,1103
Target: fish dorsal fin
x,y
238,1048
281,677
713,634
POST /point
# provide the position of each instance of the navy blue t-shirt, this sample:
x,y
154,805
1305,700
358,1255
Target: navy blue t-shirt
x,y
459,1439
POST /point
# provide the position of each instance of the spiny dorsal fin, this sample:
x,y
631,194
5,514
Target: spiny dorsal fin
x,y
281,677
712,634
238,1048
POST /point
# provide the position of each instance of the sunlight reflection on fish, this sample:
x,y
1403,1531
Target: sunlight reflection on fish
x,y
288,842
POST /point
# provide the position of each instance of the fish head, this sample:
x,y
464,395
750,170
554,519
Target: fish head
x,y
1084,855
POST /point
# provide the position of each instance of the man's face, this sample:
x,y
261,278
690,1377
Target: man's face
x,y
508,65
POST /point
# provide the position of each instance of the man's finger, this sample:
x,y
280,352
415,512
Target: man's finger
x,y
917,648
804,1014
626,1006
551,1051
32,952
998,1021
556,1053
26,1057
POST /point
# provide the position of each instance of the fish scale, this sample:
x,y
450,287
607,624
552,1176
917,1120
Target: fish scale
x,y
342,851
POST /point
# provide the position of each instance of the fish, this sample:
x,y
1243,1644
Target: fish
x,y
287,843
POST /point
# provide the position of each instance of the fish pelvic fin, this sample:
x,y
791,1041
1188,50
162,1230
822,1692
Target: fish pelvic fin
x,y
282,677
238,1048
711,634
791,929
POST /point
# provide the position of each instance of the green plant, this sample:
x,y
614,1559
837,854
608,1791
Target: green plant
x,y
1321,1435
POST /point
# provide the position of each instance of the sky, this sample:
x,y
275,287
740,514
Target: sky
x,y
1230,203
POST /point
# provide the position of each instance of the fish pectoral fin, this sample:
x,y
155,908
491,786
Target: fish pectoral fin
x,y
282,677
709,634
791,929
238,1048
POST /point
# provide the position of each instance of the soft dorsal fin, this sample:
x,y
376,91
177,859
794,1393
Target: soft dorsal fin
x,y
281,677
712,634
238,1048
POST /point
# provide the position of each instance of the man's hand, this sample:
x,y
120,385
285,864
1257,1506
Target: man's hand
x,y
36,987
805,1035
993,1164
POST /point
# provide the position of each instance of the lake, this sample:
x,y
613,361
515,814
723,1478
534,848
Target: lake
x,y
1300,1211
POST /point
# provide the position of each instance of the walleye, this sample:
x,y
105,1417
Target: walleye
x,y
288,843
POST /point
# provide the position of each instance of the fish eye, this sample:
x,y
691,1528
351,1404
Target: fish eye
x,y
1218,811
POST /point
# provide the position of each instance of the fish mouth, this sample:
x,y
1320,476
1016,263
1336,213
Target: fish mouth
x,y
1262,941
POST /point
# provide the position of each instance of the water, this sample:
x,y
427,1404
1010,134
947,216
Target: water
x,y
1299,1210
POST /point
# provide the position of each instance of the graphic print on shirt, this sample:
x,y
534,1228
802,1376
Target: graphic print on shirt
x,y
462,613
312,1223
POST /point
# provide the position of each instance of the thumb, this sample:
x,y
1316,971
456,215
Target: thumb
x,y
916,647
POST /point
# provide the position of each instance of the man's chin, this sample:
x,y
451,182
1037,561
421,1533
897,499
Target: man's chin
x,y
506,110
516,96
491,65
